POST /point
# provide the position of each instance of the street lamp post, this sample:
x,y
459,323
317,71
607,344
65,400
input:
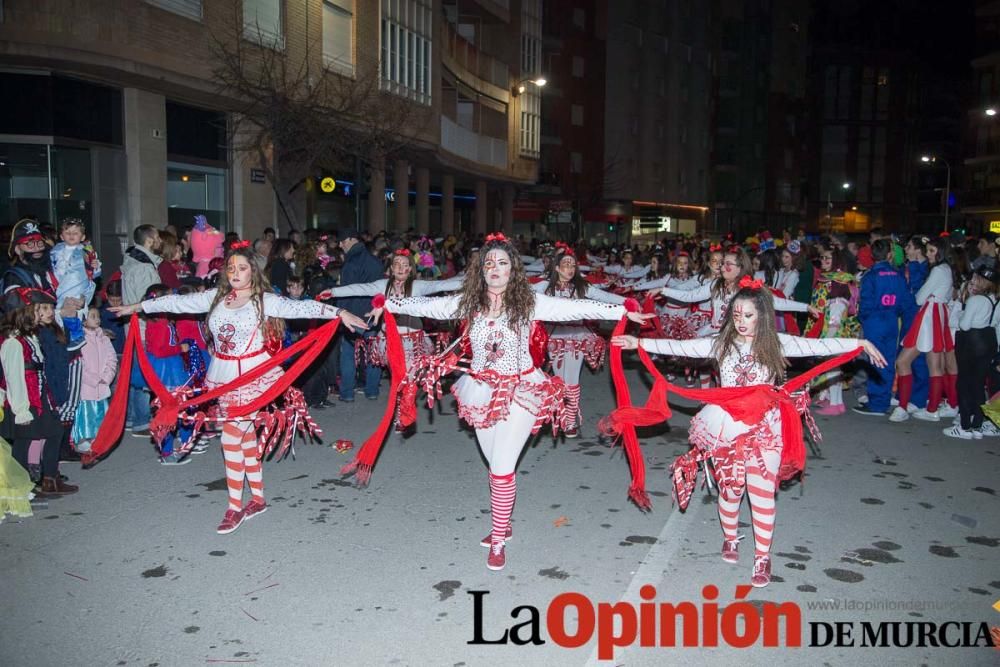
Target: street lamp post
x,y
521,85
845,186
947,184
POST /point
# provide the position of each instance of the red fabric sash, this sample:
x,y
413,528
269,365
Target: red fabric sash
x,y
791,326
365,459
745,404
166,417
630,441
653,327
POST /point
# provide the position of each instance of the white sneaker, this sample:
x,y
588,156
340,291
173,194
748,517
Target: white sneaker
x,y
944,411
923,415
911,408
976,434
893,402
898,414
862,400
989,429
957,432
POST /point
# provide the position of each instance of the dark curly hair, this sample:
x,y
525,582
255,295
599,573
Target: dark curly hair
x,y
578,283
518,298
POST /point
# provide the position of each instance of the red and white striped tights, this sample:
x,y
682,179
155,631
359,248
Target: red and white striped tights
x,y
239,449
760,484
501,444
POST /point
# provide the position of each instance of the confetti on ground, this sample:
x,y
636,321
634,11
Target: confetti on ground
x,y
560,522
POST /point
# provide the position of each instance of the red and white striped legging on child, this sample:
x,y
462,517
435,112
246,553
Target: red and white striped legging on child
x,y
760,484
239,449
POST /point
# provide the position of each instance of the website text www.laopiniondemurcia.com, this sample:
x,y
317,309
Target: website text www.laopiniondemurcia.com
x,y
739,624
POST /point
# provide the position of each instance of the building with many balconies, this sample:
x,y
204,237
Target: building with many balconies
x,y
112,113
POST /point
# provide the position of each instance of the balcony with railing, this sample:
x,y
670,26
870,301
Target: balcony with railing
x,y
464,54
470,145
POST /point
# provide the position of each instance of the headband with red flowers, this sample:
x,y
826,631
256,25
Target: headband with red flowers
x,y
239,245
746,282
715,248
402,252
683,253
498,237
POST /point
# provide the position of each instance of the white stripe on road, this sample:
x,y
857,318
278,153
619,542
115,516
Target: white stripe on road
x,y
651,569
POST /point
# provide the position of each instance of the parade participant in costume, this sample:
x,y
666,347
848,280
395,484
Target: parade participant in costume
x,y
885,301
503,394
930,333
976,347
29,409
31,265
916,268
16,487
206,245
788,276
627,271
242,316
749,454
75,265
572,343
402,284
835,296
719,292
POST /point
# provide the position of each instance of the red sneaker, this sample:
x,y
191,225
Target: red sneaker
x,y
253,508
731,550
571,433
496,558
230,522
488,540
761,571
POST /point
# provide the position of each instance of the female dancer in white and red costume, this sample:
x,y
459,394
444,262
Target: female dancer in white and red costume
x,y
503,395
749,352
402,284
570,343
240,317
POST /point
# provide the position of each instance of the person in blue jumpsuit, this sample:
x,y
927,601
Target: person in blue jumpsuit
x,y
885,300
916,275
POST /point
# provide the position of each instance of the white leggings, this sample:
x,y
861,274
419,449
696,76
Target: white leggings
x,y
503,442
568,367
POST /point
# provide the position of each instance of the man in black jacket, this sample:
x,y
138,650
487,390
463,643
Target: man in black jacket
x,y
360,266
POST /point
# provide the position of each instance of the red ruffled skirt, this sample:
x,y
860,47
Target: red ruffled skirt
x,y
930,331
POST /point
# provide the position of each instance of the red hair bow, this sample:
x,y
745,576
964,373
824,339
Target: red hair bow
x,y
747,281
715,248
683,253
496,237
403,252
237,245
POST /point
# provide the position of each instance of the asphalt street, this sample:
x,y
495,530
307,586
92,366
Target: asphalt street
x,y
892,518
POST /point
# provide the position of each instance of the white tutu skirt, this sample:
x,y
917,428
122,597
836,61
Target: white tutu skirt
x,y
482,404
713,428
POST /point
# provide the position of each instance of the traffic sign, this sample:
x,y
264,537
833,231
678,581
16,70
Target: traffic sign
x,y
328,184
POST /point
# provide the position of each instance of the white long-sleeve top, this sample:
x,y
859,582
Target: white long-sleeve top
x,y
632,273
420,287
12,360
496,345
937,287
979,312
720,301
236,332
786,281
594,293
668,281
740,369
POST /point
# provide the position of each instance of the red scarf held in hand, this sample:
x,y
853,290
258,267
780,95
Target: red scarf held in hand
x,y
746,404
630,441
365,459
166,417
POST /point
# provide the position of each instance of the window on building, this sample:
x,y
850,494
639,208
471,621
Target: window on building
x,y
338,34
576,115
576,163
262,23
406,48
577,66
580,18
189,8
531,55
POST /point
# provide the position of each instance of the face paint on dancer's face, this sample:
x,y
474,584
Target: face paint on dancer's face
x,y
238,272
745,317
401,268
496,269
731,268
715,264
566,268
